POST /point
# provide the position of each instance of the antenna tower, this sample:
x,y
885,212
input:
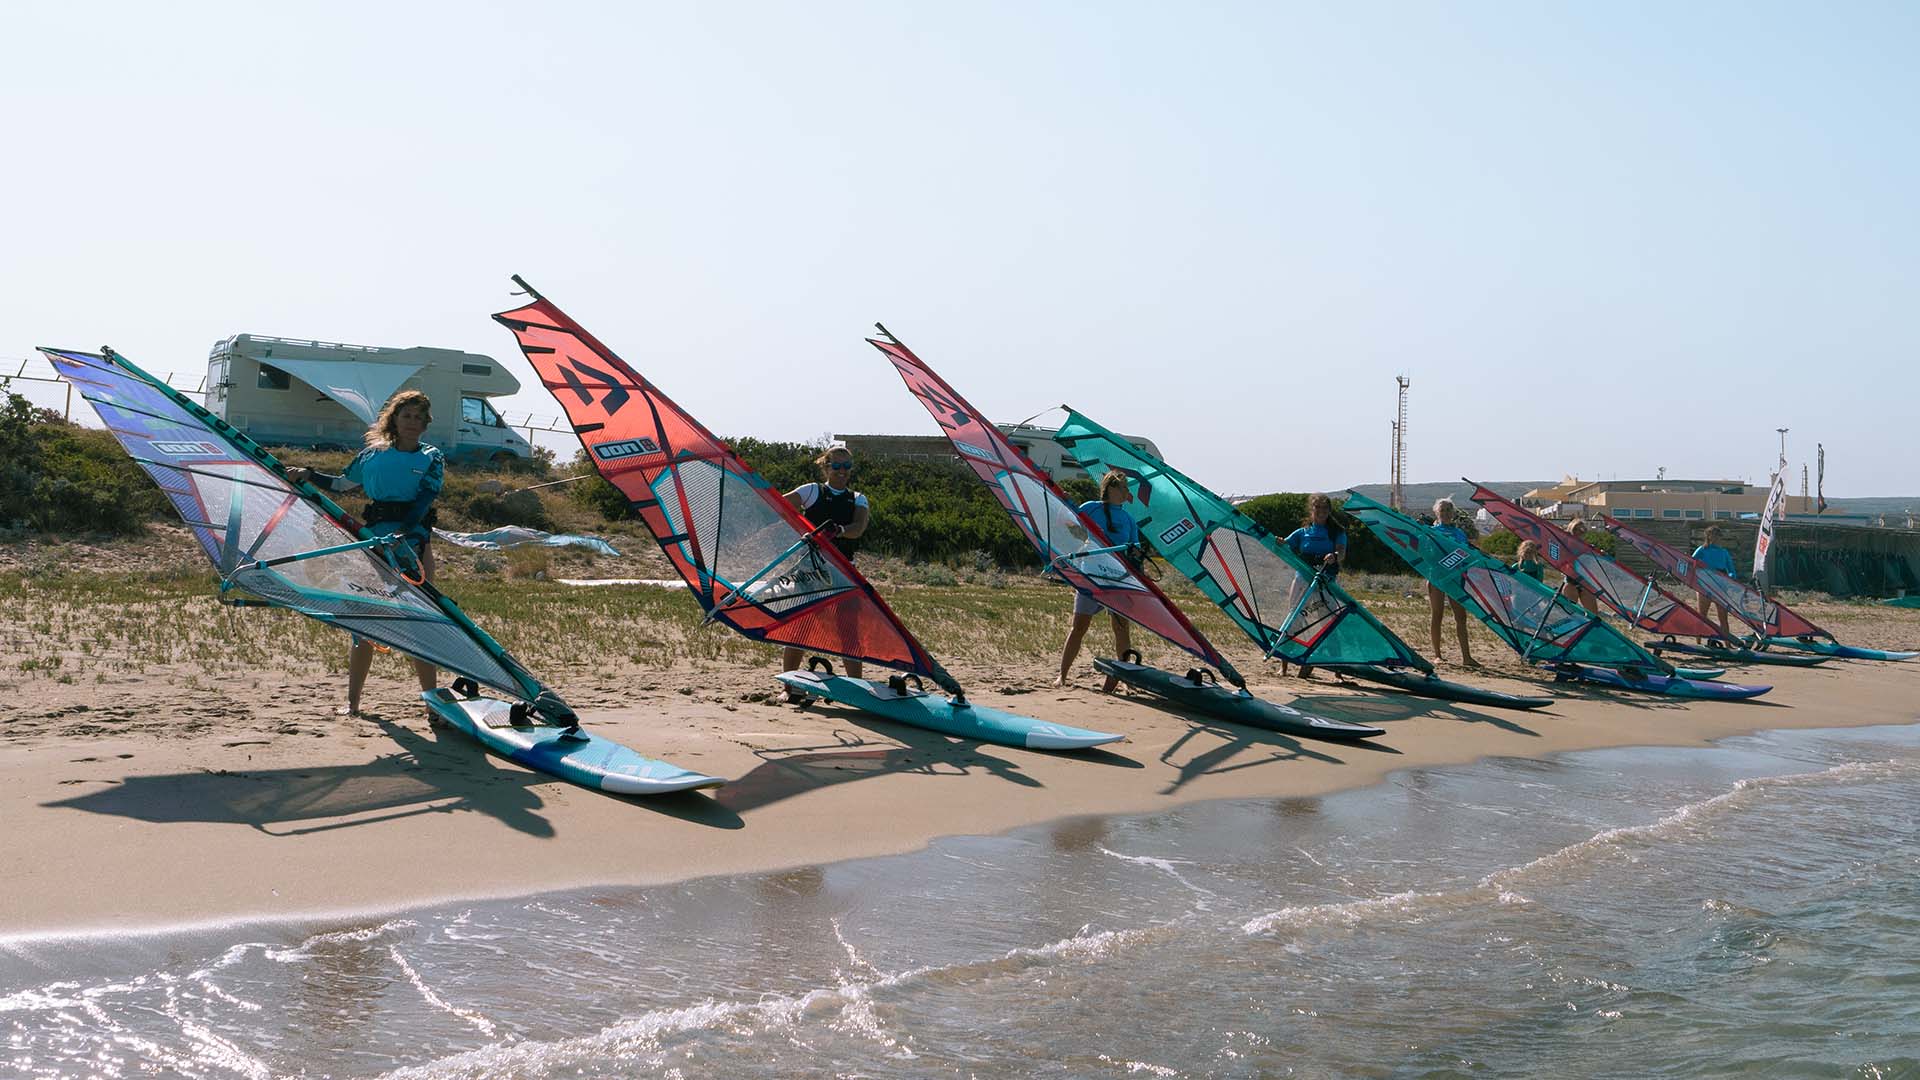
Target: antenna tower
x,y
1396,495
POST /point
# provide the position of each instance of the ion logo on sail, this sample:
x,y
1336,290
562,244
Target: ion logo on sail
x,y
1184,527
1453,558
188,449
625,448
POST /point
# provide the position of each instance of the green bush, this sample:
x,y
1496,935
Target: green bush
x,y
59,476
1500,544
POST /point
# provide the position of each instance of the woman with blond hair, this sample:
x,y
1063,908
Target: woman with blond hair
x,y
1321,543
1437,601
1109,514
1575,589
1527,561
402,476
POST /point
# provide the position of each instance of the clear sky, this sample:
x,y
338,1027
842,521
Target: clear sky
x,y
1601,238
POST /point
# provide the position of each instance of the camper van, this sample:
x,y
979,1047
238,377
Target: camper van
x,y
292,392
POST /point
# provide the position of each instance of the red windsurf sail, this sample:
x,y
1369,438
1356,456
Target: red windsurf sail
x,y
749,558
1748,604
1073,546
1637,599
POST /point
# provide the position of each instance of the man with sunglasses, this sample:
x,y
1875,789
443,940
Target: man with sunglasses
x,y
830,502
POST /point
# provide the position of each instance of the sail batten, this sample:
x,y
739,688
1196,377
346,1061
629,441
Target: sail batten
x,y
1767,617
1637,599
1041,511
1531,618
286,544
748,557
1286,607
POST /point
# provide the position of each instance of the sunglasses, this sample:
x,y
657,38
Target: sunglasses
x,y
839,465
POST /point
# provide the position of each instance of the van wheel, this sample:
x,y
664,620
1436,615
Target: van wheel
x,y
503,460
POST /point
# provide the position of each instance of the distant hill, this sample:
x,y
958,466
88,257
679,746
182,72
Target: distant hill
x,y
1890,505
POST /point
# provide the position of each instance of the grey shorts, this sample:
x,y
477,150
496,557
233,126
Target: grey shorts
x,y
1086,605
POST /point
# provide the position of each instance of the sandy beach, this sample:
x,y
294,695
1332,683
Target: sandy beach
x,y
155,806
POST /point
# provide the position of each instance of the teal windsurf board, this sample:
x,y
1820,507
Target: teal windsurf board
x,y
1845,652
1202,694
901,703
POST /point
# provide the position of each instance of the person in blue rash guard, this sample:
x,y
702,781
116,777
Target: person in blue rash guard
x,y
843,514
1109,513
402,476
1322,544
1711,554
1437,601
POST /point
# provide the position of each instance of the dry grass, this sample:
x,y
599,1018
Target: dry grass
x,y
78,619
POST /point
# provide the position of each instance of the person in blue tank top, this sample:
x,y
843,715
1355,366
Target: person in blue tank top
x,y
1320,540
1713,555
831,502
1109,513
1437,601
402,476
1322,544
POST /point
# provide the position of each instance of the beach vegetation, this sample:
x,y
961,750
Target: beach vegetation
x,y
58,476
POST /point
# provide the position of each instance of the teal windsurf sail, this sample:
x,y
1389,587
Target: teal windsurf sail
x,y
1533,619
1288,608
284,543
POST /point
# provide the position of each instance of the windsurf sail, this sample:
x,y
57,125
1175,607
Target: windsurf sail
x,y
1637,599
1288,608
1746,603
284,543
1531,618
750,559
1071,545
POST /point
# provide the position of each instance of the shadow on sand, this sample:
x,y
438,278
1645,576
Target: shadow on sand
x,y
789,771
425,776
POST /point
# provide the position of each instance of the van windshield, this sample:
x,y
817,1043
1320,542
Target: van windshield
x,y
476,411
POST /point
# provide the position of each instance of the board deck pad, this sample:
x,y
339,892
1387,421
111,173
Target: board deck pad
x,y
594,762
1231,704
936,713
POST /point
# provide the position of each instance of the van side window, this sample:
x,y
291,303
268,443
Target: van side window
x,y
476,411
272,378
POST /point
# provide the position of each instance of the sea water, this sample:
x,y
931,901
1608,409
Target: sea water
x,y
1749,909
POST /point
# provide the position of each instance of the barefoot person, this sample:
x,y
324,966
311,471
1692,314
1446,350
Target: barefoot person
x,y
1719,558
402,475
1109,513
842,513
1438,602
1321,543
